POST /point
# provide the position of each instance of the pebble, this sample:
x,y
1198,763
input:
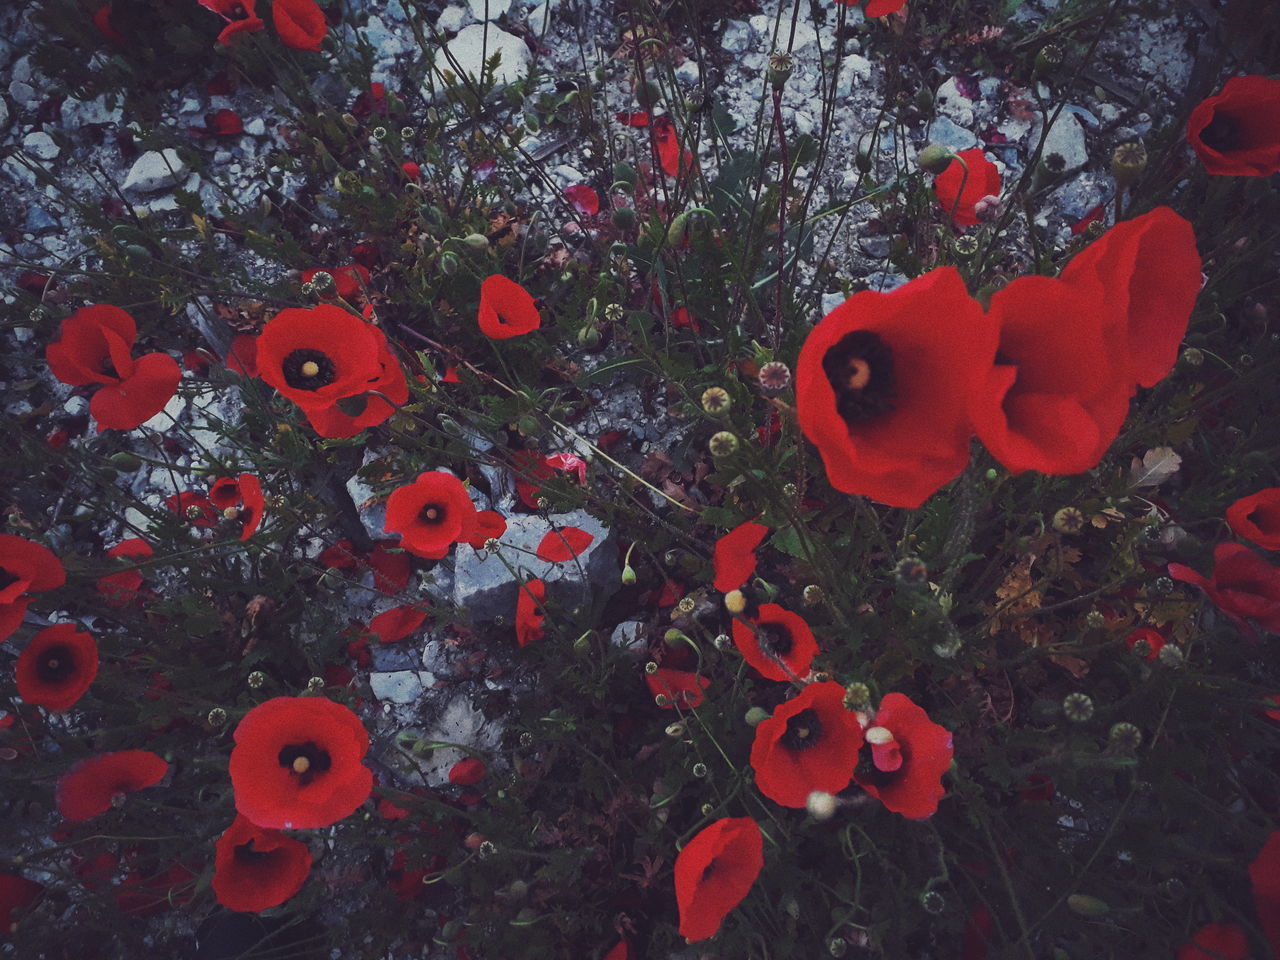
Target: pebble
x,y
256,127
489,9
400,686
453,19
737,36
804,33
5,116
155,170
854,71
41,145
945,131
475,44
1066,138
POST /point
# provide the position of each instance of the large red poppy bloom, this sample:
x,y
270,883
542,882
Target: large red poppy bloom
x,y
57,667
320,355
1036,409
431,514
1149,269
882,385
1257,518
16,895
1237,132
119,589
243,498
296,763
95,346
734,560
382,394
1216,941
24,566
255,868
810,743
300,23
1243,586
1264,873
903,758
506,309
93,786
530,618
777,642
959,189
714,872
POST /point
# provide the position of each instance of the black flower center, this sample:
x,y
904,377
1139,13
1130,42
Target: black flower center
x,y
308,370
775,638
803,731
432,514
306,760
7,578
860,370
1223,134
55,665
246,854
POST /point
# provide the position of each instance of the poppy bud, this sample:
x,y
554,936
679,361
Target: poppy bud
x,y
676,730
125,462
1128,163
756,716
1077,707
863,161
349,121
723,444
624,218
448,264
476,241
628,575
935,158
624,172
1084,905
589,336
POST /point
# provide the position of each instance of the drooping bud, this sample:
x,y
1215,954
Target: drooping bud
x,y
935,158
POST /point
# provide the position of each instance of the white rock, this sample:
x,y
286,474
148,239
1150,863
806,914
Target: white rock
x,y
23,93
467,52
79,112
804,35
155,170
488,9
951,103
400,686
453,19
40,145
804,124
540,18
15,169
687,72
737,36
1066,138
946,132
190,105
854,71
256,127
171,412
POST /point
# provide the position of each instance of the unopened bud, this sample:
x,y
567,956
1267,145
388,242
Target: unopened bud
x,y
476,241
935,158
755,716
1084,905
820,805
1128,163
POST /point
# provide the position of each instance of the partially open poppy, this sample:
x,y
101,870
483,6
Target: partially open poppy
x,y
119,589
714,872
506,309
93,786
300,23
297,764
903,758
882,385
1244,587
1237,132
1216,941
240,499
529,614
734,559
24,566
1257,518
256,868
810,743
57,667
959,189
560,546
431,514
681,689
95,346
777,642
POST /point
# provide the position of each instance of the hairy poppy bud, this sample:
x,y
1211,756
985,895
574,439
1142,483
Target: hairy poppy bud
x,y
935,158
756,716
1084,905
125,462
624,218
624,172
476,241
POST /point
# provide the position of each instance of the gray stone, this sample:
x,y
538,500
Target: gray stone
x,y
459,722
76,113
39,222
393,656
952,104
5,116
687,72
453,19
804,32
155,170
944,131
400,686
737,36
256,127
24,95
467,52
855,71
1066,138
488,9
627,637
485,584
41,145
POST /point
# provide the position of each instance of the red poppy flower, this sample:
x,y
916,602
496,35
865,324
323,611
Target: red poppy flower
x,y
810,743
1219,941
882,385
242,357
349,281
1149,269
195,508
382,395
734,560
119,589
224,123
102,20
638,119
506,309
904,758
620,951
256,868
431,514
490,525
411,170
95,347
958,190
674,160
1264,873
1095,215
24,566
1257,518
714,872
396,624
93,786
560,546
16,895
1034,411
1237,132
244,492
296,763
777,642
241,17
584,199
467,772
57,667
1244,587
529,613
1152,642
300,23
877,8
682,688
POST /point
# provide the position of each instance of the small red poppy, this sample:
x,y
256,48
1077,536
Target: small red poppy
x,y
397,623
490,525
506,309
682,689
1257,518
297,764
882,385
244,492
16,895
256,868
431,514
195,508
349,281
1237,132
584,199
877,8
95,346
102,20
674,160
57,667
530,617
300,23
903,758
1216,941
958,188
1244,587
560,546
1149,269
714,872
24,566
224,123
734,560
810,743
1152,642
467,772
241,17
242,357
777,642
93,786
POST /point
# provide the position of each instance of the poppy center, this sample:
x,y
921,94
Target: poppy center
x,y
246,854
308,370
307,760
775,639
859,368
7,578
432,514
1223,134
55,665
803,731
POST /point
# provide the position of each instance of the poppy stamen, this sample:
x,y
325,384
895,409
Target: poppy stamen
x,y
431,513
301,764
803,731
859,368
308,370
56,665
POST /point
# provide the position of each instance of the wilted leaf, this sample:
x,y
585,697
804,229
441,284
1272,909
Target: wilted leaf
x,y
1156,466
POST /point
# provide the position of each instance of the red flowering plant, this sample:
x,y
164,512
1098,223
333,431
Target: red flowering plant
x,y
714,873
903,758
93,786
530,612
965,181
431,514
256,868
1236,133
1243,586
506,309
25,566
1257,518
240,16
810,743
776,642
124,587
734,558
57,667
240,499
300,23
